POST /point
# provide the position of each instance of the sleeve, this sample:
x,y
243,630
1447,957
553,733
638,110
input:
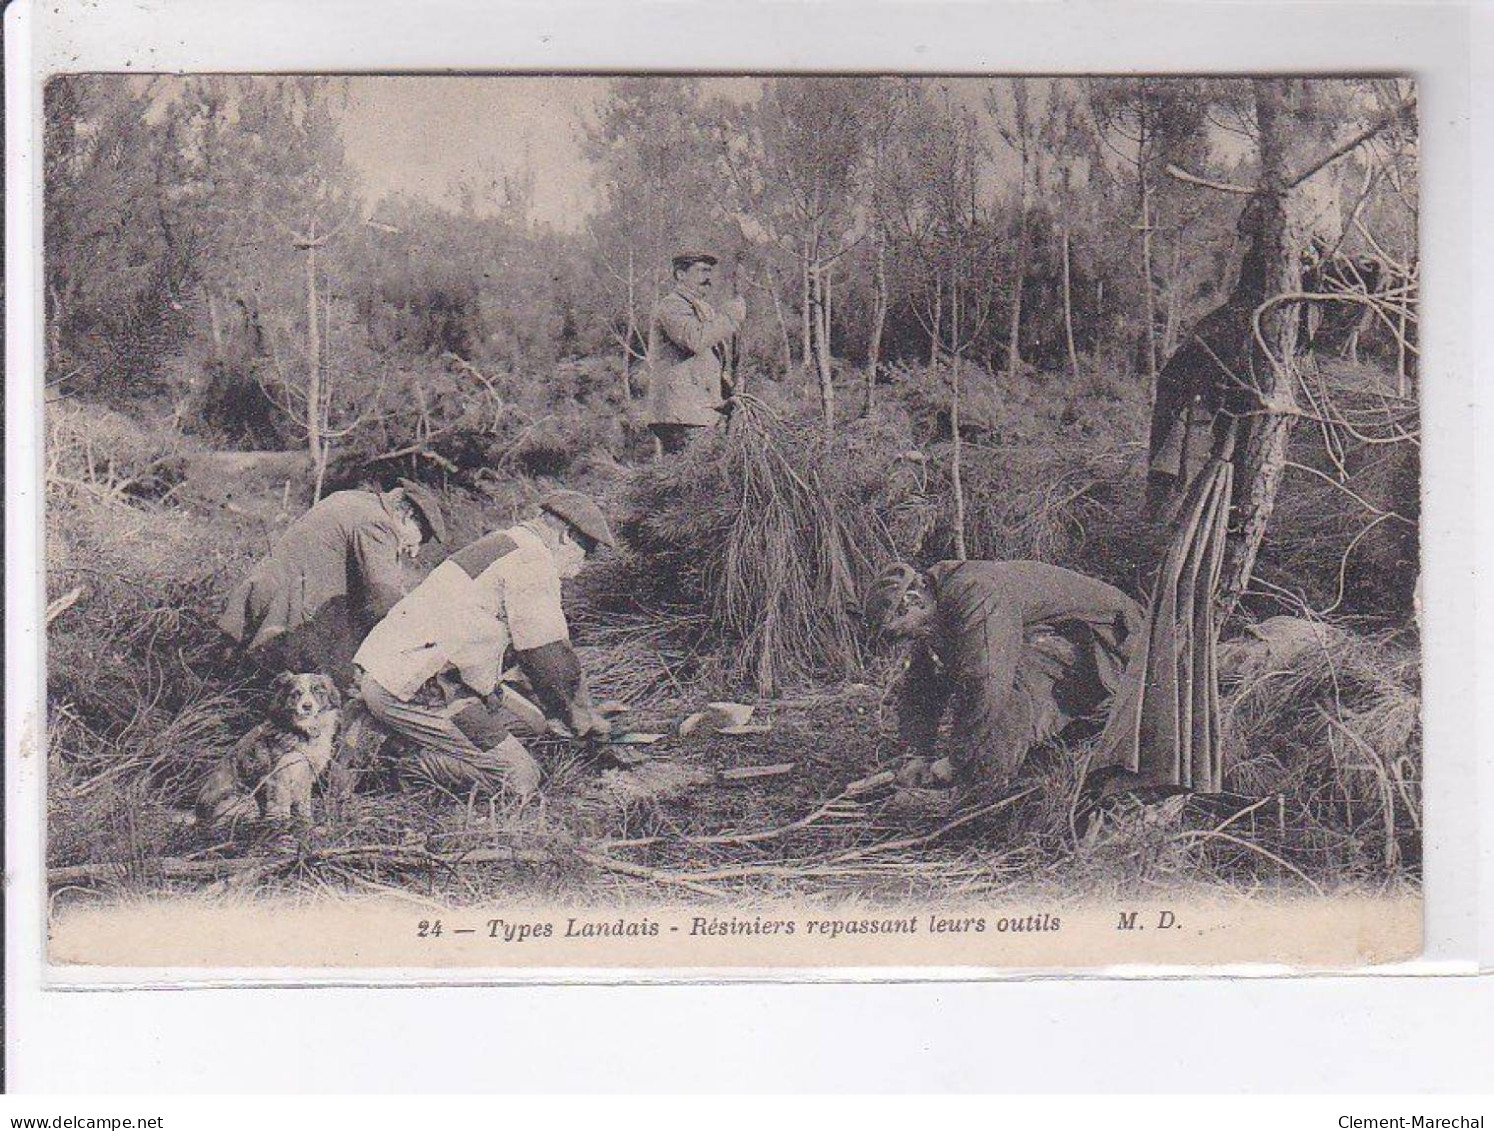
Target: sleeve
x,y
923,693
554,671
376,554
986,637
690,333
531,603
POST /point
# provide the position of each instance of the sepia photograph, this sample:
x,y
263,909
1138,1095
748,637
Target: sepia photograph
x,y
655,521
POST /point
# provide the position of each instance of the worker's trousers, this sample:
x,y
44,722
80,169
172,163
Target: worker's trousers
x,y
461,745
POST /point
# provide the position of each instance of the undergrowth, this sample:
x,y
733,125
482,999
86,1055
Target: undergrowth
x,y
739,578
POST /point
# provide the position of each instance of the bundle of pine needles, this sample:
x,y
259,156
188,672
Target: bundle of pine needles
x,y
771,533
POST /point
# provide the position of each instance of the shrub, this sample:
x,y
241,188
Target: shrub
x,y
135,694
1329,721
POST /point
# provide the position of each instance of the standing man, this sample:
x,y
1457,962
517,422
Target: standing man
x,y
331,577
431,668
687,354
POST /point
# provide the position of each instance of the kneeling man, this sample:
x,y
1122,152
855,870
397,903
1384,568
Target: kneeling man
x,y
1022,648
430,669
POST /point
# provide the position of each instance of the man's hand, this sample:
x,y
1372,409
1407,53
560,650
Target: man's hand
x,y
913,773
920,773
588,723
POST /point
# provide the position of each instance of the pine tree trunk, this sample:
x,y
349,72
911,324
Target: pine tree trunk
x,y
827,305
1174,304
215,324
1014,331
631,332
819,324
879,322
783,330
1264,457
937,320
313,370
1148,298
806,354
1068,310
956,481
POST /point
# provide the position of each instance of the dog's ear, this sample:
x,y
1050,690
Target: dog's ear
x,y
285,681
329,685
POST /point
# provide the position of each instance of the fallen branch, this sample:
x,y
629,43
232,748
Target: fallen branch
x,y
754,773
64,603
941,831
837,808
1271,856
827,865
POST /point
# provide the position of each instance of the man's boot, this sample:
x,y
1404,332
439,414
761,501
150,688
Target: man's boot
x,y
515,767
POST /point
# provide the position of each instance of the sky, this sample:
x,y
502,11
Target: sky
x,y
423,135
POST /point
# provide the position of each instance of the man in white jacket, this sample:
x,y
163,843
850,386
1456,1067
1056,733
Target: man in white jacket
x,y
430,669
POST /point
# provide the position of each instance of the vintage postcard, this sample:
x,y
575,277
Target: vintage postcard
x,y
662,523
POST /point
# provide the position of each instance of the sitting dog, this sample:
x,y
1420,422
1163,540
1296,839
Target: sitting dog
x,y
273,768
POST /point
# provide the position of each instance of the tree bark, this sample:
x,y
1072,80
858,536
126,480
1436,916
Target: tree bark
x,y
879,322
783,330
1174,292
819,324
313,371
1148,298
630,331
1068,310
956,481
1014,331
1265,449
936,322
806,354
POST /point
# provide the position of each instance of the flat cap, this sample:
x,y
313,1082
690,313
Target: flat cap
x,y
582,513
685,257
423,499
886,592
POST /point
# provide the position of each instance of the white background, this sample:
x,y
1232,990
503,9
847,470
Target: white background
x,y
1363,1033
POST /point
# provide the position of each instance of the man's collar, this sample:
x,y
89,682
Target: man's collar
x,y
543,531
697,303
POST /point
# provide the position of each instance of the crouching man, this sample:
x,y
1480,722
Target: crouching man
x,y
1021,648
329,579
430,669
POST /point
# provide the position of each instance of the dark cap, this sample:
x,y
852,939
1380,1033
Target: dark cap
x,y
691,256
423,499
582,513
886,592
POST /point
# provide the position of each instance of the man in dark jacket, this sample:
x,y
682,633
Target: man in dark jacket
x,y
1022,648
332,576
